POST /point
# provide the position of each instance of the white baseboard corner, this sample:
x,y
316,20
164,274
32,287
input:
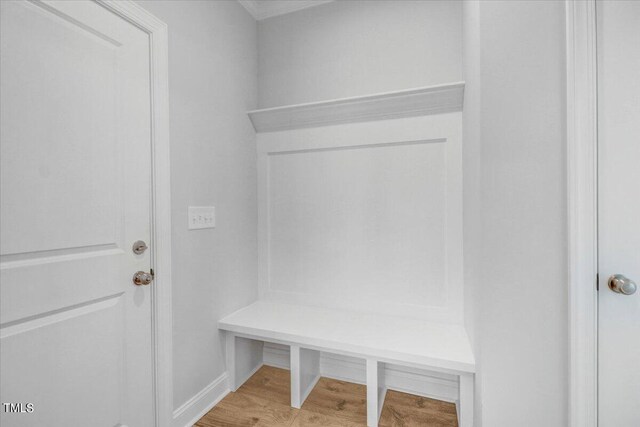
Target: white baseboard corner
x,y
193,409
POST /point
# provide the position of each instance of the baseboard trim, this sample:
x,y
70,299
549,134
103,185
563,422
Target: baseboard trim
x,y
201,403
276,356
424,383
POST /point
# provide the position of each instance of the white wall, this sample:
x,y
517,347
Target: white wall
x,y
212,79
350,48
521,300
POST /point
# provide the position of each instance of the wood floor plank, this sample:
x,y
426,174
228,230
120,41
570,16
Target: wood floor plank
x,y
408,410
312,419
269,383
238,409
338,399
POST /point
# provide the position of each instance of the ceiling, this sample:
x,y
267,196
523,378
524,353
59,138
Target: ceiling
x,y
262,9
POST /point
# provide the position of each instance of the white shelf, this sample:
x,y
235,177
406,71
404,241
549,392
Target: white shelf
x,y
438,99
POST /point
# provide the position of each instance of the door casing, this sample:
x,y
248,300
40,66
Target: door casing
x,y
582,204
160,201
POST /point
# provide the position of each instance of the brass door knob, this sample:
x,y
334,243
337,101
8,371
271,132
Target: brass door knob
x,y
142,278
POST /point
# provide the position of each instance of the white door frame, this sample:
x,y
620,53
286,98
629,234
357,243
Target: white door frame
x,y
582,175
160,202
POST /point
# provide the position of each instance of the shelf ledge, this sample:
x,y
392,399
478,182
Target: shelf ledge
x,y
445,98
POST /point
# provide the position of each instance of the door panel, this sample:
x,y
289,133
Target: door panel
x,y
78,382
75,195
53,66
619,210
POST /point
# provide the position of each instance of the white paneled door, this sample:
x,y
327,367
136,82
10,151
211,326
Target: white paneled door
x,y
619,212
76,332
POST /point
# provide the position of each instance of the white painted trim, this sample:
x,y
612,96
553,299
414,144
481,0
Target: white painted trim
x,y
582,211
407,380
276,355
161,201
382,388
230,359
195,408
411,130
305,373
445,98
294,368
266,9
374,405
465,403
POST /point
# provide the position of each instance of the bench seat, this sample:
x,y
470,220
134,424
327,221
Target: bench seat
x,y
376,338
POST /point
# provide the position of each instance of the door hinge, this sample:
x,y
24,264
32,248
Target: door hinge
x,y
597,281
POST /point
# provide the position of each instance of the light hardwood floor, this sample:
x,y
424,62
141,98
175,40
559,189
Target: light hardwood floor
x,y
264,401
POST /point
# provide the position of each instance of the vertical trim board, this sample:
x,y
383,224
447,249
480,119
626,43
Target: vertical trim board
x,y
582,211
161,201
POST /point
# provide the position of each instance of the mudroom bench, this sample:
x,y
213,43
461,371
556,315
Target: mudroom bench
x,y
379,339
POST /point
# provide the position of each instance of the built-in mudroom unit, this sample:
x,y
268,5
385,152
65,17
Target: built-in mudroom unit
x,y
360,249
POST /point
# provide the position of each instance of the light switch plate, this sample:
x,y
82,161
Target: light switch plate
x,y
202,217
